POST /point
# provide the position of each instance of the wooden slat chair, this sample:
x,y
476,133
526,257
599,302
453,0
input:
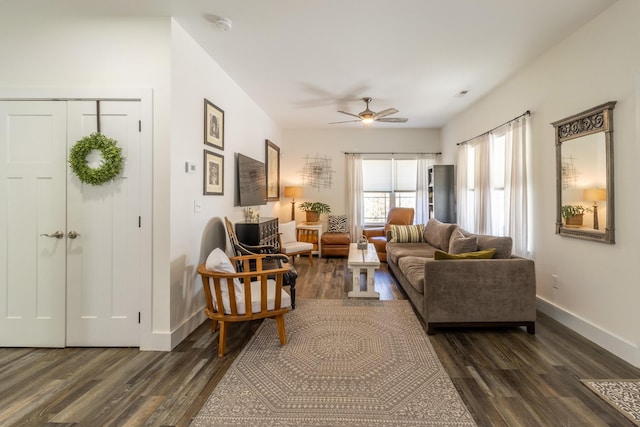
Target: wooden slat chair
x,y
289,244
243,299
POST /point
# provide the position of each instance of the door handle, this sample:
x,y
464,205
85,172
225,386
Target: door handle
x,y
72,234
57,235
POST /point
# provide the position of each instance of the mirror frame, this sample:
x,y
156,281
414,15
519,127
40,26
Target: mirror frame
x,y
594,120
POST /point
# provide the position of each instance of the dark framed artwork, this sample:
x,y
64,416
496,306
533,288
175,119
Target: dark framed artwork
x,y
272,166
213,173
213,125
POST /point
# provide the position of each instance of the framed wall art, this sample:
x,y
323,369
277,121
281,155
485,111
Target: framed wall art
x,y
213,125
213,173
272,166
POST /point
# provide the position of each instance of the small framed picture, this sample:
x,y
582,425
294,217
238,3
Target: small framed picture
x,y
272,166
213,125
213,173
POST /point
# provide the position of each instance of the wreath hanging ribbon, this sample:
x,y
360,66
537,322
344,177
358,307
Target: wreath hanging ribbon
x,y
111,159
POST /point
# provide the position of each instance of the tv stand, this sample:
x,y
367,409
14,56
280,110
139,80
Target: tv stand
x,y
262,232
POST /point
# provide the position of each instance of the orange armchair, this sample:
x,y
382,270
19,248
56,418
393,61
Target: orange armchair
x,y
378,236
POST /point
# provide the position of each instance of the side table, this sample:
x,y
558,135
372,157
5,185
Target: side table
x,y
311,233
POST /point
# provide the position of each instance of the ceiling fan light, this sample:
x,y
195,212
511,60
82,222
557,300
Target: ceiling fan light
x,y
367,116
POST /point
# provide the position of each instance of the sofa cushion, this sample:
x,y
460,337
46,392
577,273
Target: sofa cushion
x,y
413,270
459,244
502,244
486,254
406,233
395,251
337,224
438,233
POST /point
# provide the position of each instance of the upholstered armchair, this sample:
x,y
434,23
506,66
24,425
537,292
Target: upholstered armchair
x,y
378,236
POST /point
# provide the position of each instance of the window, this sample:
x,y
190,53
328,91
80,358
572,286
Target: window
x,y
387,183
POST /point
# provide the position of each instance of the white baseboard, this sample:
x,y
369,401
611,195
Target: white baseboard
x,y
166,341
188,326
622,348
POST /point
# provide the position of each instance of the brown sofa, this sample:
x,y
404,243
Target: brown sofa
x,y
378,236
464,292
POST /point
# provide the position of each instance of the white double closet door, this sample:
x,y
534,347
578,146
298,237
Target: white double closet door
x,y
69,252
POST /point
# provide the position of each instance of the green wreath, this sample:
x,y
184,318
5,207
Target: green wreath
x,y
111,159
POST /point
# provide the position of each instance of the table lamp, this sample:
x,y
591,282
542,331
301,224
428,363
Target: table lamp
x,y
293,191
597,195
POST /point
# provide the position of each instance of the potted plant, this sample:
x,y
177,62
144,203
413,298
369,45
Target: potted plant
x,y
314,210
573,215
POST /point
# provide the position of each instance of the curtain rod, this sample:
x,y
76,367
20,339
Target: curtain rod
x,y
526,113
388,153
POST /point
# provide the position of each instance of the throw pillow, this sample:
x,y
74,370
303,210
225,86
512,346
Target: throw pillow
x,y
406,233
486,254
288,231
502,244
337,224
438,234
460,244
218,261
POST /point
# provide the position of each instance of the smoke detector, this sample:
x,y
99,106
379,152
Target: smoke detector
x,y
223,23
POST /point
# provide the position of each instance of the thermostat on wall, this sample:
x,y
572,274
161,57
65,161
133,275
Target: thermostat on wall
x,y
190,167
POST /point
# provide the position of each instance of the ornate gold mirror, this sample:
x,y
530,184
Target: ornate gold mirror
x,y
584,175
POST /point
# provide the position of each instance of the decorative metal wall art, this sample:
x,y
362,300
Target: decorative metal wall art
x,y
317,172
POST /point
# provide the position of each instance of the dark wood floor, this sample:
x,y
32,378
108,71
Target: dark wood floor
x,y
505,376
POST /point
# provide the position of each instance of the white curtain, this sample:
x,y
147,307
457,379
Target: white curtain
x,y
422,187
475,207
462,181
482,187
354,195
516,186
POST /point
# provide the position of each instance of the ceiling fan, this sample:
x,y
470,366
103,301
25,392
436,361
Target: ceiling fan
x,y
367,116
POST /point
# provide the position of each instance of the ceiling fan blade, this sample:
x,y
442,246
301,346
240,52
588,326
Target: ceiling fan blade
x,y
348,114
393,120
386,112
346,121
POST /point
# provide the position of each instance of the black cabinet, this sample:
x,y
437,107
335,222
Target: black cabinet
x,y
263,232
442,198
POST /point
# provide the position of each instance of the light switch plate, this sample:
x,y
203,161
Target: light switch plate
x,y
197,206
190,167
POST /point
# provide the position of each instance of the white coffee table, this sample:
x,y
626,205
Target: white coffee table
x,y
363,260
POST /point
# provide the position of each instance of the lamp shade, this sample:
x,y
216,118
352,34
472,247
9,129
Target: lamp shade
x,y
292,191
595,194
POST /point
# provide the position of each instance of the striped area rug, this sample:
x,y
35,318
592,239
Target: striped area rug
x,y
346,363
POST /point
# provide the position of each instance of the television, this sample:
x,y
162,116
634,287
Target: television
x,y
251,181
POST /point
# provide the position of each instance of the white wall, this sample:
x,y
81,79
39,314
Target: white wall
x,y
333,143
599,293
195,76
94,55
